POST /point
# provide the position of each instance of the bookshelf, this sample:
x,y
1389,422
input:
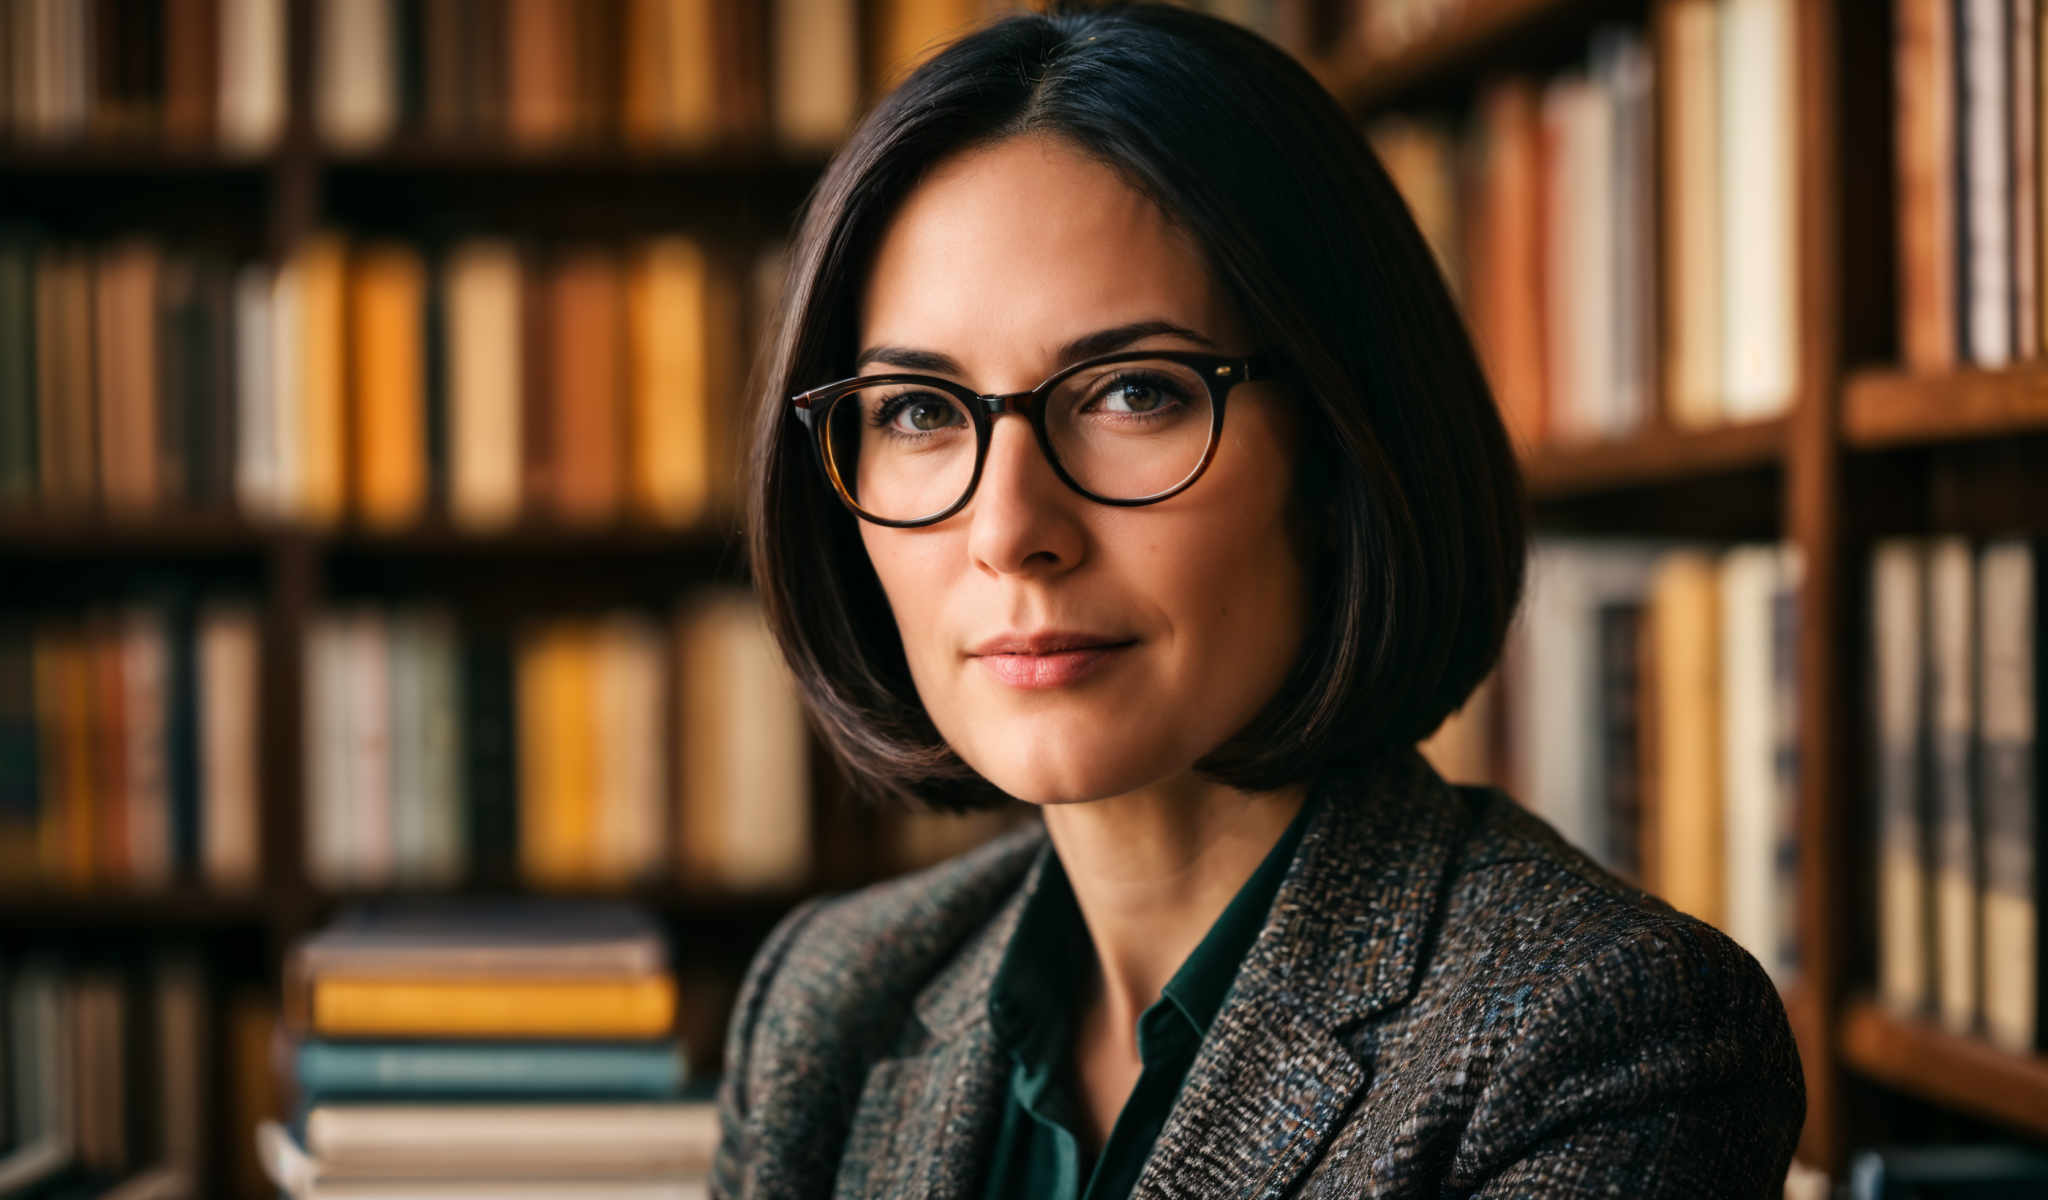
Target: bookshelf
x,y
1864,449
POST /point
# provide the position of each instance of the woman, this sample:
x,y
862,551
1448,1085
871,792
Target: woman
x,y
1121,453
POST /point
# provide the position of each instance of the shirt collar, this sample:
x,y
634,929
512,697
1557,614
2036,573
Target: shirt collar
x,y
1031,996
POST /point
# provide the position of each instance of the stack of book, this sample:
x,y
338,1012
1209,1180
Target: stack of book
x,y
488,1048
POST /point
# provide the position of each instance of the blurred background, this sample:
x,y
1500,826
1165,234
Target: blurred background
x,y
370,577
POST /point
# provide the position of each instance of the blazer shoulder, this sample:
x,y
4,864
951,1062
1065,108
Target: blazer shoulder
x,y
1524,902
860,958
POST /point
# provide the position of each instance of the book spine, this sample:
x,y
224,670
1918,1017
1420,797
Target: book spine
x,y
2007,731
636,1008
1958,820
337,1070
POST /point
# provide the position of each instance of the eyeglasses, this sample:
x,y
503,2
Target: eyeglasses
x,y
1126,429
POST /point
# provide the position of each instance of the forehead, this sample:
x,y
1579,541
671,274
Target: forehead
x,y
1031,241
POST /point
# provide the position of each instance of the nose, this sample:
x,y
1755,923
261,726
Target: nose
x,y
1021,520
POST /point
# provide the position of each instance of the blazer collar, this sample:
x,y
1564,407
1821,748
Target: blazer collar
x,y
1343,941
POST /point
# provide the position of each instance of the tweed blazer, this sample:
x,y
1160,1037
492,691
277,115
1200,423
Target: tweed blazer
x,y
1446,1000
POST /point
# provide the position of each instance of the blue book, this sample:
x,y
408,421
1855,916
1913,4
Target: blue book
x,y
493,1070
1949,1173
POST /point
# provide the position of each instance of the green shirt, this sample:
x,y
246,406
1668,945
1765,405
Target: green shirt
x,y
1037,1153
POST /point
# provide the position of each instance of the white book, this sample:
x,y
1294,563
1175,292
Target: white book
x,y
745,796
407,783
1986,122
1579,266
252,59
631,711
366,703
303,1178
1760,303
1622,64
286,400
355,81
255,340
1750,575
1559,739
507,1141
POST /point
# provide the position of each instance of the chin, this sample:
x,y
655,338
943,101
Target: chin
x,y
1069,774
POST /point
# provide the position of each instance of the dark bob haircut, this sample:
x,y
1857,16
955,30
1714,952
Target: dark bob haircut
x,y
1408,504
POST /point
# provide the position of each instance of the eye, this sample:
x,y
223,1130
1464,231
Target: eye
x,y
1138,393
917,412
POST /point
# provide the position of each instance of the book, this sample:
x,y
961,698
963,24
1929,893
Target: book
x,y
1958,821
1946,1173
744,818
484,405
428,1006
388,444
509,1141
1759,209
816,71
328,1071
1900,773
1985,126
1688,73
528,936
1691,866
355,89
2012,686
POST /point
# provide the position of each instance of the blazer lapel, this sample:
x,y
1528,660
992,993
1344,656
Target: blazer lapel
x,y
922,1126
1344,940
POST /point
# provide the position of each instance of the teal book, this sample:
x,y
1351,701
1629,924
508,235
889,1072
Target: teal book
x,y
497,1070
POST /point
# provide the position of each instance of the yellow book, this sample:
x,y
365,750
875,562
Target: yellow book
x,y
557,768
319,274
640,1006
483,382
670,382
387,289
1690,867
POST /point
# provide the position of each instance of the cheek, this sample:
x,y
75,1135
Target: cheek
x,y
913,574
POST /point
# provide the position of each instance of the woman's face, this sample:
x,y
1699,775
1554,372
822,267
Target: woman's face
x,y
1191,609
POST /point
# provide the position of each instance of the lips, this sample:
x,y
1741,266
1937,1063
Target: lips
x,y
1043,660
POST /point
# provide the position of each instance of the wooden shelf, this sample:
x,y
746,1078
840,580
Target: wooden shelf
x,y
1894,408
1932,1063
60,906
126,155
26,532
1653,457
1366,78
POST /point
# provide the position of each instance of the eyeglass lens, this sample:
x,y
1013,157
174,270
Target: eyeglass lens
x,y
1121,431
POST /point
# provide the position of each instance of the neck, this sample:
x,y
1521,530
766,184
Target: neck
x,y
1151,872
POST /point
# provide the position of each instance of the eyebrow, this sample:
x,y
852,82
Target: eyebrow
x,y
1088,345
